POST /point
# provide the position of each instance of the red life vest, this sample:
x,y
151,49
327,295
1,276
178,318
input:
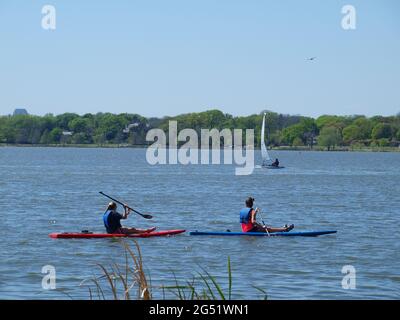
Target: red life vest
x,y
245,219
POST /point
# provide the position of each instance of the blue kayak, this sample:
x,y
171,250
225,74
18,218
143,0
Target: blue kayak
x,y
264,234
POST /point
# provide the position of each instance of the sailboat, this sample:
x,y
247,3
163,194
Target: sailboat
x,y
266,159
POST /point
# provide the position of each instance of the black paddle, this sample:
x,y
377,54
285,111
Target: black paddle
x,y
146,216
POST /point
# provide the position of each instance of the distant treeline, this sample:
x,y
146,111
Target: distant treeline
x,y
130,129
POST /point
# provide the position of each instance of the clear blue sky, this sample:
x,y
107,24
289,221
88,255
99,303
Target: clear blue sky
x,y
159,58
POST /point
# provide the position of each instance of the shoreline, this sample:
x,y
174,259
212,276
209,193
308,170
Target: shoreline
x,y
280,148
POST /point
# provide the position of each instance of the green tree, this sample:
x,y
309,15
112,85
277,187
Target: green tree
x,y
329,137
48,122
62,121
27,129
79,125
45,138
310,131
99,139
275,138
35,135
280,129
365,127
340,122
3,123
8,131
384,142
306,130
351,133
55,135
111,127
81,138
297,142
291,133
381,131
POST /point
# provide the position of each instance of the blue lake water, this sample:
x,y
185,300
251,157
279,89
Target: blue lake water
x,y
45,190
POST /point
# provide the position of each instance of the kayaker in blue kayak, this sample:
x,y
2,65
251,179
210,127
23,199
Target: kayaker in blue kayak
x,y
248,220
112,221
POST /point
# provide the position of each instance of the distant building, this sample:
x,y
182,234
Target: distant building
x,y
20,111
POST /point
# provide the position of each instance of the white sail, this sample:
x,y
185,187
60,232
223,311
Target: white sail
x,y
264,152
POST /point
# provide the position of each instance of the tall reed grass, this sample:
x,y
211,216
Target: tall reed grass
x,y
130,281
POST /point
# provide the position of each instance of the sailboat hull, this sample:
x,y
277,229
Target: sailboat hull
x,y
272,167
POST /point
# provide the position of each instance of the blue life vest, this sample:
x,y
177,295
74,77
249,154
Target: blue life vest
x,y
112,220
105,219
245,215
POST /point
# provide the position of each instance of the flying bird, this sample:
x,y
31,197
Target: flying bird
x,y
312,58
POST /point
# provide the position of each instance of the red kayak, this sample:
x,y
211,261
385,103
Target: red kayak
x,y
89,235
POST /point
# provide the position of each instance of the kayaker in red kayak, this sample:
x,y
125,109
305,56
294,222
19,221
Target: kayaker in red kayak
x,y
249,223
112,221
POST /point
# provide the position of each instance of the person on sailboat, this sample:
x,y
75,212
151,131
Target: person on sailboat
x,y
275,163
249,223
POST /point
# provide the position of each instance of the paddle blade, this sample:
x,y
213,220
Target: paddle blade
x,y
147,216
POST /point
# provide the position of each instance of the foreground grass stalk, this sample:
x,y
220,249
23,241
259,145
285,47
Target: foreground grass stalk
x,y
121,282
